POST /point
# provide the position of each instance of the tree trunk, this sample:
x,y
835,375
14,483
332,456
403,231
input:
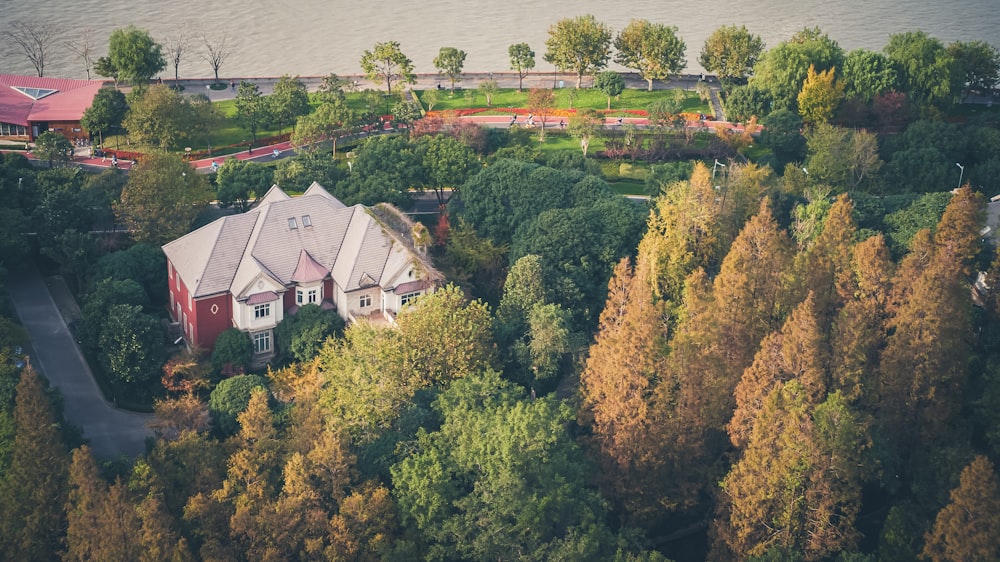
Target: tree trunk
x,y
609,103
520,82
579,80
650,82
334,137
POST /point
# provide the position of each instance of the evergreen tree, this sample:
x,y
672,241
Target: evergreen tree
x,y
967,529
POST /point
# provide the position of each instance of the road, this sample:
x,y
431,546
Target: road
x,y
109,430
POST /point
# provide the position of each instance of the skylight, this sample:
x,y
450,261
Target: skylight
x,y
307,220
35,93
292,225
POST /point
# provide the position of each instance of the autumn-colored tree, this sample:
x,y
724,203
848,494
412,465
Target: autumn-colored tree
x,y
968,527
617,388
32,493
797,352
924,365
86,493
682,234
820,96
826,261
540,102
365,527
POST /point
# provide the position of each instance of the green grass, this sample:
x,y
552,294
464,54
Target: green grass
x,y
586,98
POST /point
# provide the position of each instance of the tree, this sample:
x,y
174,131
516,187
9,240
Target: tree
x,y
218,48
131,349
653,49
843,158
540,102
449,62
867,75
966,529
448,163
160,116
522,60
232,352
977,64
35,39
731,52
133,56
926,70
230,398
53,147
386,61
488,88
161,199
32,492
820,96
106,112
783,135
289,100
240,182
330,118
581,44
301,335
745,102
84,48
177,46
252,109
610,83
782,70
584,124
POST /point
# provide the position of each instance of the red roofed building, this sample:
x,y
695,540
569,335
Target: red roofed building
x,y
30,105
249,271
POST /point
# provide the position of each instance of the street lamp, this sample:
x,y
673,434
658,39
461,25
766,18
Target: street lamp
x,y
960,174
716,165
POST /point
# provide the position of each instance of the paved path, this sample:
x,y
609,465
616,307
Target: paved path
x,y
109,430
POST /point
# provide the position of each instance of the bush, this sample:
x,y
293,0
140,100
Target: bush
x,y
229,398
232,352
300,336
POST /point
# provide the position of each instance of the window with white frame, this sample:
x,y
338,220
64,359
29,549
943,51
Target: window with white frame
x,y
300,296
262,310
262,342
312,296
407,298
308,296
365,301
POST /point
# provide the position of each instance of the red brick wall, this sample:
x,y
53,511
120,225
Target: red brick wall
x,y
212,316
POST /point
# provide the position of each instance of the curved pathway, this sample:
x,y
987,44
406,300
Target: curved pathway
x,y
109,430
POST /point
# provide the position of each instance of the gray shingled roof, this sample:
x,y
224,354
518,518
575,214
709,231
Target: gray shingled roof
x,y
347,241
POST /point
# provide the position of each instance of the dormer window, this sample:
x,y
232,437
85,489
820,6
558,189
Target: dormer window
x,y
307,220
292,225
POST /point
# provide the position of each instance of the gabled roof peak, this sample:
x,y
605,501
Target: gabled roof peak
x,y
308,270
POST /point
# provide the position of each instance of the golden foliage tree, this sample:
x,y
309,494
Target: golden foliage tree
x,y
967,529
820,96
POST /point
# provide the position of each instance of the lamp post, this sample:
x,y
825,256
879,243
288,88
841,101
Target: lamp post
x,y
716,165
960,174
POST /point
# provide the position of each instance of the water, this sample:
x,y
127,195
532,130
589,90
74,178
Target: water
x,y
316,37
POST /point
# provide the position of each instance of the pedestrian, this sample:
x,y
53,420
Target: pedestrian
x,y
276,152
215,166
513,119
620,121
232,85
562,123
114,160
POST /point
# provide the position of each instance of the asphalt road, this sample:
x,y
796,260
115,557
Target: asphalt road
x,y
109,430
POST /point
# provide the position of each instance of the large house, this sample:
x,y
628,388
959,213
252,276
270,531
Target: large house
x,y
250,270
30,105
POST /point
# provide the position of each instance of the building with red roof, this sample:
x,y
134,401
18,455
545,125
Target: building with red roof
x,y
31,105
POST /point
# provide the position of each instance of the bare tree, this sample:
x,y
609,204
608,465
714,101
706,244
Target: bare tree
x,y
217,49
176,46
34,39
84,48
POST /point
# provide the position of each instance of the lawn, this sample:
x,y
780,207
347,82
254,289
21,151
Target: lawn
x,y
585,98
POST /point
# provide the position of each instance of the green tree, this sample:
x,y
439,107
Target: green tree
x,y
161,117
820,96
105,113
731,52
581,44
977,64
586,123
232,352
386,61
653,49
926,69
783,135
32,492
843,158
289,100
53,147
331,89
489,89
253,111
967,528
449,62
782,70
230,398
133,56
522,60
329,119
131,349
867,75
239,182
504,463
161,199
301,335
610,83
448,163
744,102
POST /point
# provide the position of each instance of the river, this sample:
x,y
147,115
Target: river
x,y
315,37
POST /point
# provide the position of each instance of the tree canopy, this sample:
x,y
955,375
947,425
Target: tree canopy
x,y
449,62
161,199
133,56
653,49
731,52
581,44
387,62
